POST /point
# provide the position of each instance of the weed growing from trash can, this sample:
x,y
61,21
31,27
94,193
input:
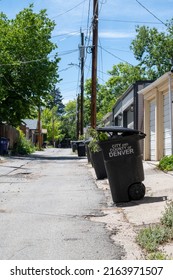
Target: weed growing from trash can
x,y
93,145
150,238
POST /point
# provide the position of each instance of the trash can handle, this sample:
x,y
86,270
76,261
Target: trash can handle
x,y
142,134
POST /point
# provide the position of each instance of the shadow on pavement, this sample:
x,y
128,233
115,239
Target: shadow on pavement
x,y
145,200
44,157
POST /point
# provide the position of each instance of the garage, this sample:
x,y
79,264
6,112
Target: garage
x,y
152,130
158,120
166,125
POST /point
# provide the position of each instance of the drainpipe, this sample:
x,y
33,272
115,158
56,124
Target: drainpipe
x,y
170,110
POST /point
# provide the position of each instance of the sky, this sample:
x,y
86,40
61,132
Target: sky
x,y
117,22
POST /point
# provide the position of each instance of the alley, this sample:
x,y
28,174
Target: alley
x,y
46,201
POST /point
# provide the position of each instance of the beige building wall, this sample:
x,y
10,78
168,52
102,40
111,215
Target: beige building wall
x,y
154,94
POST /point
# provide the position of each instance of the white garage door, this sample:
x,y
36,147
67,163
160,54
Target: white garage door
x,y
152,131
166,127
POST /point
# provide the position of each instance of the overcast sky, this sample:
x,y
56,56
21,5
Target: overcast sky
x,y
117,21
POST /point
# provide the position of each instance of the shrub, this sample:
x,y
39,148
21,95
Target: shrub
x,y
23,146
166,163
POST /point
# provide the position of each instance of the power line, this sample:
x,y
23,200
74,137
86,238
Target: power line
x,y
131,21
70,9
66,34
118,50
16,63
67,52
150,12
115,56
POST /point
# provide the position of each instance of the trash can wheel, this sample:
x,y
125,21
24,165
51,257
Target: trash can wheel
x,y
136,191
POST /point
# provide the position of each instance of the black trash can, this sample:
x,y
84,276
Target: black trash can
x,y
73,146
98,165
3,145
81,148
123,162
88,153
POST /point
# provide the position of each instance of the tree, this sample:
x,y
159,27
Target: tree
x,y
56,100
154,50
69,120
122,76
51,122
27,73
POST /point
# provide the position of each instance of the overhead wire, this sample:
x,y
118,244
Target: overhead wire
x,y
88,35
150,12
115,55
131,21
69,9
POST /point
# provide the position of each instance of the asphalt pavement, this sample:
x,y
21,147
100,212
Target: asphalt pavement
x,y
47,201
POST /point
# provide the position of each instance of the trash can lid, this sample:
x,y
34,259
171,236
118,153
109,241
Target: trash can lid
x,y
118,129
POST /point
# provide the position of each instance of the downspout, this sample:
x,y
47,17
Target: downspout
x,y
170,110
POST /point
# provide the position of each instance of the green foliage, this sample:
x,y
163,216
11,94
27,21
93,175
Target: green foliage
x,y
23,146
157,256
96,137
166,163
154,50
149,238
56,101
167,218
68,121
51,122
103,136
93,144
122,76
81,137
27,75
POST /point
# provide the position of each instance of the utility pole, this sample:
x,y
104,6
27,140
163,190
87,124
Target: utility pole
x,y
82,55
77,117
94,64
39,128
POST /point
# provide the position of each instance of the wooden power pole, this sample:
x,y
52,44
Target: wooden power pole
x,y
82,55
94,64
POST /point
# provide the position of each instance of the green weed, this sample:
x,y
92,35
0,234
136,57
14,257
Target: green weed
x,y
150,238
167,218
